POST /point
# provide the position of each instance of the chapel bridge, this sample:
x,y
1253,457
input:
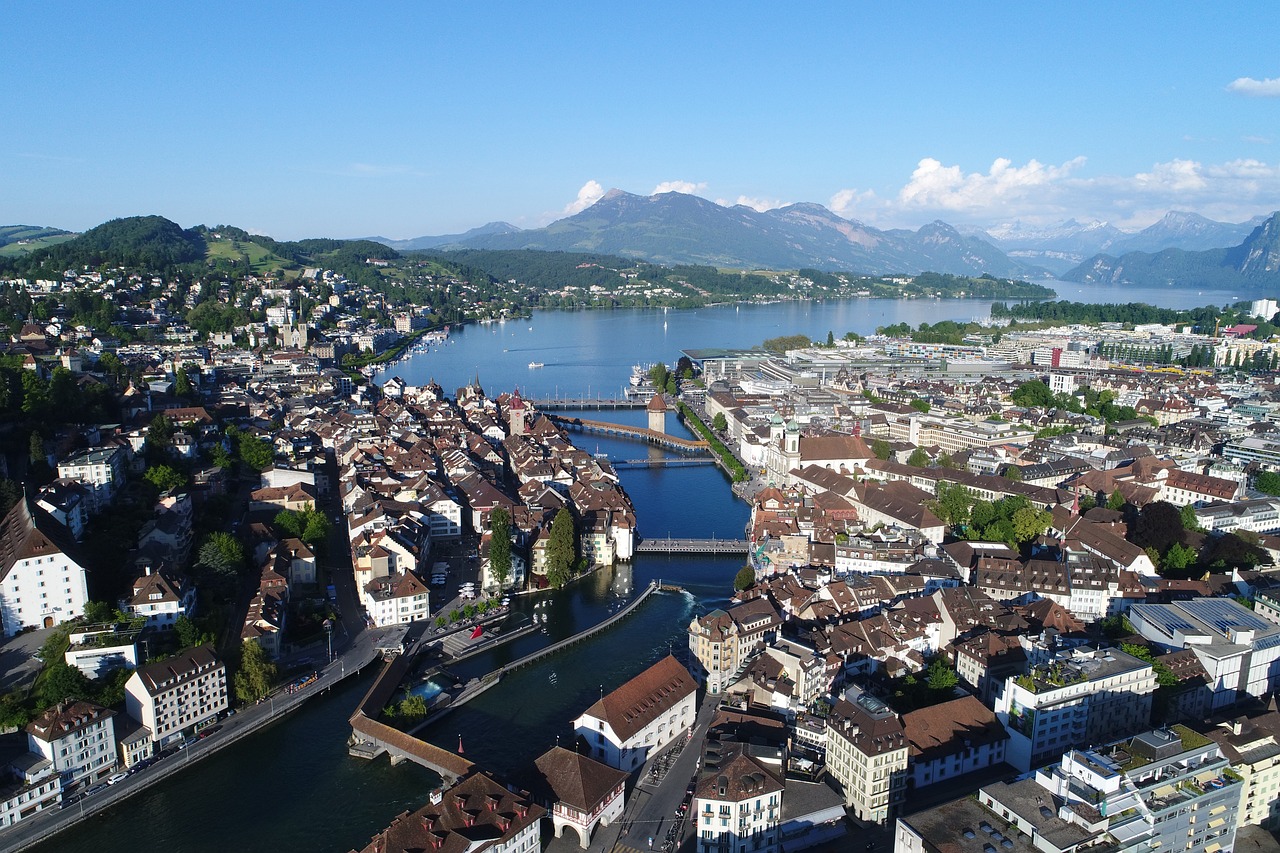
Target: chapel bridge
x,y
653,436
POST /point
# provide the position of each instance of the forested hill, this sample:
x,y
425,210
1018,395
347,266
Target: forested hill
x,y
1254,263
140,242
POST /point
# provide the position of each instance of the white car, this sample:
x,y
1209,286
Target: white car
x,y
118,777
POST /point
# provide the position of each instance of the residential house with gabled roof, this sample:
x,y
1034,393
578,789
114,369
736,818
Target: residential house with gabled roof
x,y
737,802
160,598
629,724
396,599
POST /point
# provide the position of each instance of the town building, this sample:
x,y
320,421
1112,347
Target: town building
x,y
722,641
101,470
1237,648
1077,696
587,794
1252,745
867,753
177,695
628,725
737,803
78,738
950,739
478,814
41,583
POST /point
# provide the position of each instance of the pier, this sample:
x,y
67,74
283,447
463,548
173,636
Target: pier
x,y
692,546
652,436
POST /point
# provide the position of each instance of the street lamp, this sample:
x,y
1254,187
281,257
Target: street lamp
x,y
328,633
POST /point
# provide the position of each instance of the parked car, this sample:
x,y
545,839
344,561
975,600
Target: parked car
x,y
117,777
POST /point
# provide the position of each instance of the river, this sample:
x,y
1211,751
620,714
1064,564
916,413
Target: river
x,y
293,786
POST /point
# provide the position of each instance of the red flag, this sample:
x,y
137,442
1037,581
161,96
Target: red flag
x,y
475,635
460,745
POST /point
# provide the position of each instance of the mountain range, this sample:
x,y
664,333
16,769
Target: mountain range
x,y
421,243
677,228
1065,246
1254,262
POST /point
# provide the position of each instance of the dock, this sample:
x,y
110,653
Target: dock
x,y
572,403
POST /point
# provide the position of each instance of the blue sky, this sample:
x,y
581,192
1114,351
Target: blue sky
x,y
314,119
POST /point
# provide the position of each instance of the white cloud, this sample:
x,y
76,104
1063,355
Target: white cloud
x,y
934,185
589,194
848,202
1256,139
760,205
686,187
1268,88
1038,194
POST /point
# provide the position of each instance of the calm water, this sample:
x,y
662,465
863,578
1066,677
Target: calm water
x,y
293,787
590,353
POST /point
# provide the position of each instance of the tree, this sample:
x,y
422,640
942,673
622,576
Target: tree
x,y
952,503
500,545
940,677
164,477
1029,522
182,383
1032,393
831,339
257,453
1189,520
97,612
35,448
1116,501
562,551
256,673
745,578
1012,473
1159,525
1178,557
189,634
918,458
1267,482
61,681
720,423
160,433
920,405
881,448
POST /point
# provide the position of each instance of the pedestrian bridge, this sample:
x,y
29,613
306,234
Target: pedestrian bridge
x,y
693,546
370,737
652,436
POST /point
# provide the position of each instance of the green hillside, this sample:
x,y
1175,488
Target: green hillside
x,y
18,240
